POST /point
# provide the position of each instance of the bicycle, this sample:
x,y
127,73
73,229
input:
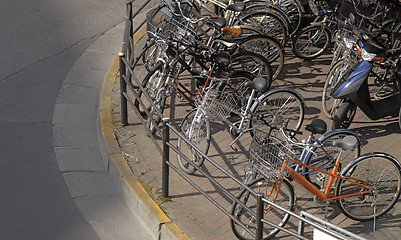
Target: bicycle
x,y
172,47
317,151
254,112
365,188
312,41
264,17
240,38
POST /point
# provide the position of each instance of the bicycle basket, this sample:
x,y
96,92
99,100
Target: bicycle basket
x,y
219,101
269,155
163,23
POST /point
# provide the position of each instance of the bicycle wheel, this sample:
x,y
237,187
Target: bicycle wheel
x,y
311,42
338,70
379,171
268,23
235,90
152,84
281,193
253,63
275,106
267,6
294,11
269,48
148,55
196,128
324,157
145,60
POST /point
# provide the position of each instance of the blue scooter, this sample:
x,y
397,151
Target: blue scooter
x,y
353,89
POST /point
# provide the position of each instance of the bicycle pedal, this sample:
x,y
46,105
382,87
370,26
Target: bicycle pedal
x,y
234,147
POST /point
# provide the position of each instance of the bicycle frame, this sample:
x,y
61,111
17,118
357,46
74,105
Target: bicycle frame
x,y
311,144
326,196
181,89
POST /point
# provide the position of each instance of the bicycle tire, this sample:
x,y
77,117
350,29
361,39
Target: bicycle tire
x,y
285,199
271,8
148,55
269,48
152,84
144,61
160,104
335,74
311,42
276,105
237,87
196,127
268,23
253,63
377,170
294,11
325,158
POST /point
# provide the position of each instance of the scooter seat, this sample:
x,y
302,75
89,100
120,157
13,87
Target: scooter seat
x,y
316,126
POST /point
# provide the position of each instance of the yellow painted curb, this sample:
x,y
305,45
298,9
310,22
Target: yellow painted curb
x,y
132,190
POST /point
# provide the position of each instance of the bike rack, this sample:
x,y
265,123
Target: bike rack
x,y
127,89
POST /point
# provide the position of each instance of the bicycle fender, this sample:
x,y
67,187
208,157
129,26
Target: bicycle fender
x,y
331,133
367,155
274,90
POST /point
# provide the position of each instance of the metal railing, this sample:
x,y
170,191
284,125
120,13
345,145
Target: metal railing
x,y
130,85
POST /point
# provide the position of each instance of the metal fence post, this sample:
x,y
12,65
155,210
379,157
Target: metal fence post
x,y
259,216
123,91
301,225
166,154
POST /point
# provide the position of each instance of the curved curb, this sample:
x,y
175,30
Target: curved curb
x,y
137,199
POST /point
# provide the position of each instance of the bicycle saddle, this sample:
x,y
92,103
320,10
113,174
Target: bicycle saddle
x,y
258,84
316,126
221,58
218,22
346,143
236,7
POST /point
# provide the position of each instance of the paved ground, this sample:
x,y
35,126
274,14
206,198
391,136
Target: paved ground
x,y
196,215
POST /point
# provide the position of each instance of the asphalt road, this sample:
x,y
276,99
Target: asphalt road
x,y
39,43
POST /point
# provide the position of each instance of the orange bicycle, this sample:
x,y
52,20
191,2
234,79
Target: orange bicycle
x,y
366,188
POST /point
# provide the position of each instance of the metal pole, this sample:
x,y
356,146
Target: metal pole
x,y
301,225
166,154
259,216
123,91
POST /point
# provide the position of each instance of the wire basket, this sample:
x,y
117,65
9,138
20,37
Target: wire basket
x,y
166,24
218,101
270,156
